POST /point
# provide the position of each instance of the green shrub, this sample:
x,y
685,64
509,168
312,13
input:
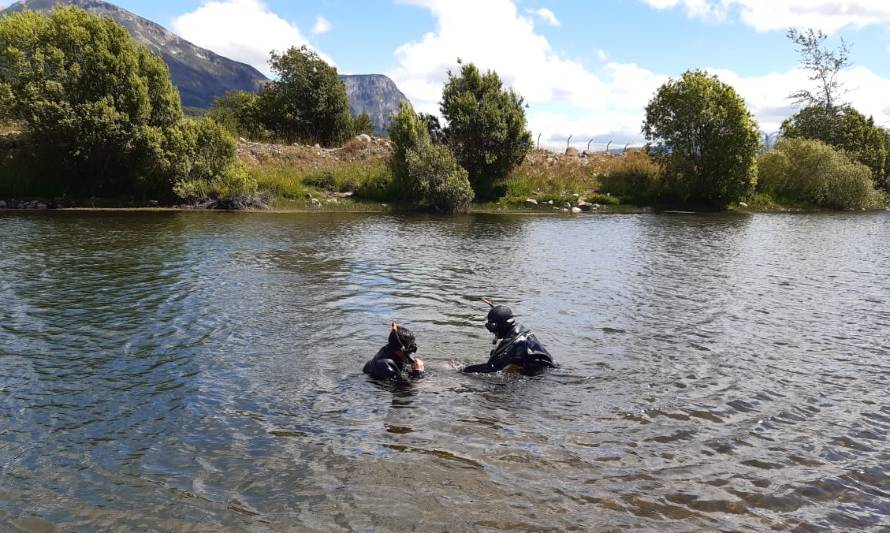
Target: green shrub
x,y
604,199
487,128
437,182
237,111
705,139
235,186
323,179
813,172
99,115
634,177
408,131
91,102
846,129
360,124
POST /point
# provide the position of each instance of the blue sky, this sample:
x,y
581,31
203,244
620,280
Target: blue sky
x,y
586,68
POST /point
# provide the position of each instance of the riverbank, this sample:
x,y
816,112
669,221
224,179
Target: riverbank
x,y
356,177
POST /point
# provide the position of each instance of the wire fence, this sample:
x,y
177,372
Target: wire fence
x,y
585,145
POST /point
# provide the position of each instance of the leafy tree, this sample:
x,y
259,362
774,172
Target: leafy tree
x,y
426,174
360,124
434,128
486,126
844,128
407,131
88,98
824,67
307,102
238,112
706,139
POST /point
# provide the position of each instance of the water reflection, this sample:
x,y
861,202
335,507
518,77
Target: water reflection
x,y
197,370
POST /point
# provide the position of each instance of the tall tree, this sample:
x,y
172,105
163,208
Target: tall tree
x,y
90,100
307,102
486,126
824,66
706,139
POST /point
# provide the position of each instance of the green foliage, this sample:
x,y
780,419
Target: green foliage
x,y
100,117
846,129
307,102
238,112
437,182
323,180
407,132
368,180
486,127
424,173
236,188
634,177
196,150
812,172
89,100
361,124
705,138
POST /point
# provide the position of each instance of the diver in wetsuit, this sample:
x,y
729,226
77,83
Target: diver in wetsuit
x,y
517,348
396,359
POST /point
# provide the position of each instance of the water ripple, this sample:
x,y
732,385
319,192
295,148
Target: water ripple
x,y
197,371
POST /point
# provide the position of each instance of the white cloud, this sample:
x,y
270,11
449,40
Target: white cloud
x,y
322,25
544,14
768,15
243,30
565,96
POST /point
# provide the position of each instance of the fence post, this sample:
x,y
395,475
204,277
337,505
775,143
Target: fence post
x,y
569,140
625,149
607,146
539,142
588,144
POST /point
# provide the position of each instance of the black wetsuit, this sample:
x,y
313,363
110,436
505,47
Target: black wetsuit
x,y
385,365
522,349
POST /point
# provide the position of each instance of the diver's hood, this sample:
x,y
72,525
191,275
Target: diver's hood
x,y
501,321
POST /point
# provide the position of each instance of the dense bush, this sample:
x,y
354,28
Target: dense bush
x,y
408,131
307,102
633,177
98,113
486,127
424,173
89,100
846,129
361,124
812,172
705,138
237,111
438,182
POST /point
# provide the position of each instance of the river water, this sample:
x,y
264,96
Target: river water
x,y
202,371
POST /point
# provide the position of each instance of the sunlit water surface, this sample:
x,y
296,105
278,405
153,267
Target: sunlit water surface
x,y
202,371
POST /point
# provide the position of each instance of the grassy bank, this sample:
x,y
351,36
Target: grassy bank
x,y
356,177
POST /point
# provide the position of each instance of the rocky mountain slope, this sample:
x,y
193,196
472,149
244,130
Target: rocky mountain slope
x,y
376,95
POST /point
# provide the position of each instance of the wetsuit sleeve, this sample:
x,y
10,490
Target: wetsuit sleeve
x,y
495,364
483,368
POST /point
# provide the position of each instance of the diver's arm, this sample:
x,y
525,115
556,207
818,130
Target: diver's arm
x,y
483,368
495,364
